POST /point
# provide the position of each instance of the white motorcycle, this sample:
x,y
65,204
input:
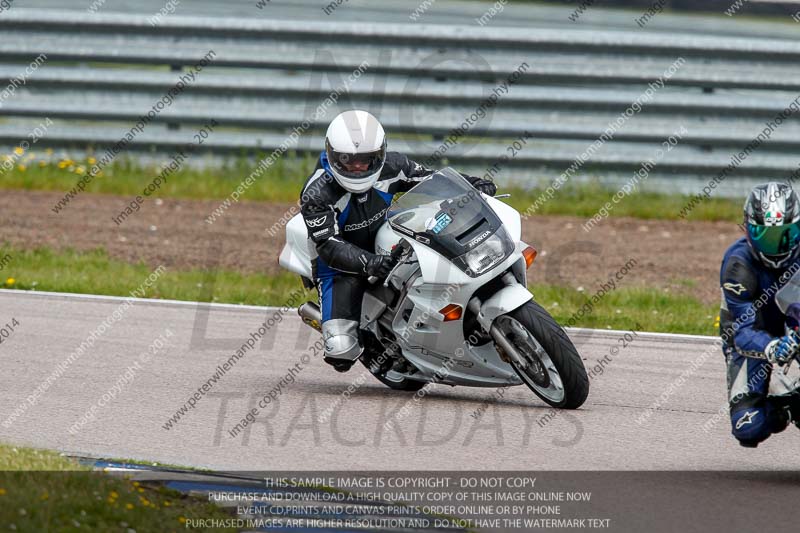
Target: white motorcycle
x,y
785,387
455,310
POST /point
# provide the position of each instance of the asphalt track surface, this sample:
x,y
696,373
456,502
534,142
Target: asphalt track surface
x,y
439,432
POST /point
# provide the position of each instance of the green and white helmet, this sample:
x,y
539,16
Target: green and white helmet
x,y
772,221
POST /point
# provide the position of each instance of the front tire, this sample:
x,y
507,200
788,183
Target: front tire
x,y
555,371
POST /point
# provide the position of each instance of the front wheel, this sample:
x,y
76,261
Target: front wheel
x,y
554,371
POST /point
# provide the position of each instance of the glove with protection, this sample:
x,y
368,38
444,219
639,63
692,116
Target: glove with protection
x,y
378,265
782,350
487,187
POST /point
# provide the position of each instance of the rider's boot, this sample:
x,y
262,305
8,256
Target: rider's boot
x,y
342,344
340,365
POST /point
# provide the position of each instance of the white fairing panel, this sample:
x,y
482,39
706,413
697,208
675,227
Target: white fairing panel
x,y
438,270
509,216
295,256
386,239
435,268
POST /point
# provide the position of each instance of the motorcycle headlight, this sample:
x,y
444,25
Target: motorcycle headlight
x,y
490,252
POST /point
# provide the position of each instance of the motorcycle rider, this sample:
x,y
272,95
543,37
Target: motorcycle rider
x,y
344,202
751,324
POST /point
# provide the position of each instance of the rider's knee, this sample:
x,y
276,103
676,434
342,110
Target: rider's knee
x,y
754,422
341,339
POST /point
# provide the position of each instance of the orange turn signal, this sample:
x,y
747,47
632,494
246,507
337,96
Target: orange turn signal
x,y
530,254
451,312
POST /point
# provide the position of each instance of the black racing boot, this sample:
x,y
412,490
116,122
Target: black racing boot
x,y
340,365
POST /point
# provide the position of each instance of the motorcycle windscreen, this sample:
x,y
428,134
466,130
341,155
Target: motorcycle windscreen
x,y
448,214
788,300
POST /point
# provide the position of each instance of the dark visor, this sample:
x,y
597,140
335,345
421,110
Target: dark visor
x,y
356,166
774,240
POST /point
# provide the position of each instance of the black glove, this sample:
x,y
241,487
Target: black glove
x,y
487,187
378,265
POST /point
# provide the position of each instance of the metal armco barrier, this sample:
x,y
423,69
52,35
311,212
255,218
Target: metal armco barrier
x,y
268,76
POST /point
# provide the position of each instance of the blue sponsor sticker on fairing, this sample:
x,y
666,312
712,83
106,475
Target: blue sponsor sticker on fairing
x,y
442,221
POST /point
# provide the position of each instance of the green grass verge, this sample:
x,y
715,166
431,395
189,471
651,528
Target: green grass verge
x,y
43,491
124,176
282,183
96,273
629,308
584,201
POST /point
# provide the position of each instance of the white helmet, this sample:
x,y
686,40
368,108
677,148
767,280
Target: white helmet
x,y
356,148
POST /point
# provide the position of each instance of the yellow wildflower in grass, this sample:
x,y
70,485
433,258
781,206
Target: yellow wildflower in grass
x,y
91,160
42,164
129,506
2,492
167,504
45,496
62,165
80,170
10,281
21,168
114,494
136,483
18,150
182,519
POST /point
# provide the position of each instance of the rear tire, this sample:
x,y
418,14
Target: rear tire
x,y
558,349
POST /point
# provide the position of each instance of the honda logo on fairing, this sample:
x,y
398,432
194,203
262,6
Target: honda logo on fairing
x,y
317,222
477,240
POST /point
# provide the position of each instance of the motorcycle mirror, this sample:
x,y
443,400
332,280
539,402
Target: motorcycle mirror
x,y
793,317
400,249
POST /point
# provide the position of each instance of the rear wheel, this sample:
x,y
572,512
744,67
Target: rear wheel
x,y
554,371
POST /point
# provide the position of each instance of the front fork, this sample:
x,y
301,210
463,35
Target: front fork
x,y
488,311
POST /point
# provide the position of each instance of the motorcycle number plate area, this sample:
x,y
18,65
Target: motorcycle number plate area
x,y
438,224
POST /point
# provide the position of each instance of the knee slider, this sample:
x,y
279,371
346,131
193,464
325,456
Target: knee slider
x,y
750,425
755,424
